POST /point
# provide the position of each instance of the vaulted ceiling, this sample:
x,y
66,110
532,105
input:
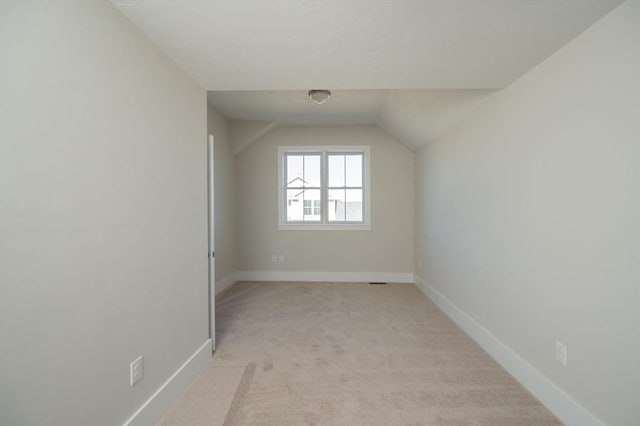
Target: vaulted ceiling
x,y
413,67
413,117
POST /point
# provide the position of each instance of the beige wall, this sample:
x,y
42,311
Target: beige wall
x,y
102,214
387,247
225,195
527,216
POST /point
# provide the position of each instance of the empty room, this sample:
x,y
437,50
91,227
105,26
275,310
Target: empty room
x,y
319,212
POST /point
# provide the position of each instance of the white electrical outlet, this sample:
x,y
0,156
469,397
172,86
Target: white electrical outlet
x,y
274,258
281,258
136,371
561,353
419,264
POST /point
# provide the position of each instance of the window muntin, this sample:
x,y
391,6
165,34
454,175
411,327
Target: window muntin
x,y
324,187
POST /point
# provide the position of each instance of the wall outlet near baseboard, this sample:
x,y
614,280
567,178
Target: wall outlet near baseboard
x,y
136,370
281,258
561,353
274,258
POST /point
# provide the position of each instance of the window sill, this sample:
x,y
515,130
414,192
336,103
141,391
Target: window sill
x,y
332,227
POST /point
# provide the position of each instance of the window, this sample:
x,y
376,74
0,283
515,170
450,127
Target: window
x,y
311,207
323,188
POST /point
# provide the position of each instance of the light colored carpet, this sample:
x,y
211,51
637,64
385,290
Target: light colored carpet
x,y
209,398
359,354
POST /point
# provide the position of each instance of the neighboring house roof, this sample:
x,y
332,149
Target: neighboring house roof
x,y
300,179
302,183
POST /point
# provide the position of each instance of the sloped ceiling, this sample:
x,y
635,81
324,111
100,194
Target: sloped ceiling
x,y
417,117
396,44
413,117
415,68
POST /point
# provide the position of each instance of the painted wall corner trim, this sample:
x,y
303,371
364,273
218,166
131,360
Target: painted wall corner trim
x,y
568,410
226,282
161,400
392,277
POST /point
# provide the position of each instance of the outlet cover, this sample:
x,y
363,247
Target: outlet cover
x,y
136,370
561,353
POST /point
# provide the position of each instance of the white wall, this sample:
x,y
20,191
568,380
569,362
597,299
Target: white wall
x,y
225,197
387,247
102,214
527,216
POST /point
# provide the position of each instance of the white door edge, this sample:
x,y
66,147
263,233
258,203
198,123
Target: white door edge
x,y
211,238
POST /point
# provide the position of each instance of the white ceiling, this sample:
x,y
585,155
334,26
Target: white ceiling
x,y
415,68
414,117
295,107
394,44
417,117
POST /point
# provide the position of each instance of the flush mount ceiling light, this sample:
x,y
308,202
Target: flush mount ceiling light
x,y
319,96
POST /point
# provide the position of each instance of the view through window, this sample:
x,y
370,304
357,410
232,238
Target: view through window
x,y
324,186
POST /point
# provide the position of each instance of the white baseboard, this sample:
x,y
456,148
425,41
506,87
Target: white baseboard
x,y
154,408
225,282
568,410
391,277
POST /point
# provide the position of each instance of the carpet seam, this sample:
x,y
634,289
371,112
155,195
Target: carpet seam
x,y
232,417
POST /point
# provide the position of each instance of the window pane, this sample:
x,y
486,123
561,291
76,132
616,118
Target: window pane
x,y
294,170
336,205
312,171
336,170
294,205
353,205
354,170
311,198
303,205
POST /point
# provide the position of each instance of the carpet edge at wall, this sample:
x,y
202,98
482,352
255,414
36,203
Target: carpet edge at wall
x,y
568,410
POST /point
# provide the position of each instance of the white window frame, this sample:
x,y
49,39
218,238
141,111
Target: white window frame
x,y
325,224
